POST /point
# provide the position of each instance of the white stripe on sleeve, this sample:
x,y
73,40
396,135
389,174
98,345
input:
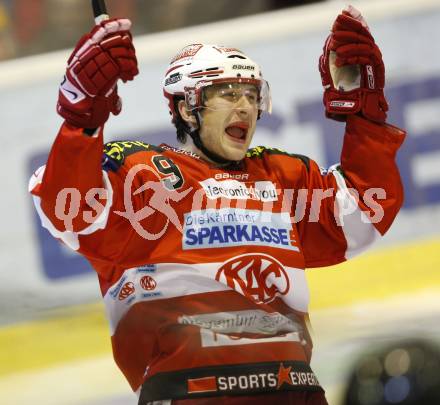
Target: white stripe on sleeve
x,y
68,237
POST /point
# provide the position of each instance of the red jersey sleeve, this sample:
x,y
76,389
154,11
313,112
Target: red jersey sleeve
x,y
80,191
341,211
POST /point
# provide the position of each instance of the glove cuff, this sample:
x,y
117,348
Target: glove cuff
x,y
369,103
92,112
337,102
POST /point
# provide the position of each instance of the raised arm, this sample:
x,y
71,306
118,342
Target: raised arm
x,y
355,201
73,181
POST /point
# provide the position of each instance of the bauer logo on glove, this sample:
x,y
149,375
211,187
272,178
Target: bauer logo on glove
x,y
352,70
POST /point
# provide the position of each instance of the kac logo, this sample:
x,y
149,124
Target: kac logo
x,y
148,283
126,290
257,276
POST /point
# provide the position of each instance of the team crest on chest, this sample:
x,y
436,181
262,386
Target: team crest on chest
x,y
257,276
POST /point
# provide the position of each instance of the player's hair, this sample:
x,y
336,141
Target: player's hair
x,y
182,128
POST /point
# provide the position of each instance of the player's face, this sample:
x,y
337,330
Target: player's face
x,y
229,119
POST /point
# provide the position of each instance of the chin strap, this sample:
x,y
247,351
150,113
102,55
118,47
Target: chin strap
x,y
195,136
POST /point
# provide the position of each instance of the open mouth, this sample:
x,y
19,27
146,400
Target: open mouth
x,y
238,131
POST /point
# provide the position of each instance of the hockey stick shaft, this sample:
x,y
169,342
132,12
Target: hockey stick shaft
x,y
99,11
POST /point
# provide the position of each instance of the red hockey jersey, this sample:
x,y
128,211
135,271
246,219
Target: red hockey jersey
x,y
202,268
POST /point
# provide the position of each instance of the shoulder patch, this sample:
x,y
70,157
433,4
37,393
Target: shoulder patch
x,y
259,151
116,152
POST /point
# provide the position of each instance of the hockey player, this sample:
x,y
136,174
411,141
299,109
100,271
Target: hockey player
x,y
200,250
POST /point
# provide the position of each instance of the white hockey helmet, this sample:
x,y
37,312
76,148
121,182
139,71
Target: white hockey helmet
x,y
198,66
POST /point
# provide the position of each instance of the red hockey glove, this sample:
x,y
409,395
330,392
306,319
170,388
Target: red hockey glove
x,y
88,93
352,70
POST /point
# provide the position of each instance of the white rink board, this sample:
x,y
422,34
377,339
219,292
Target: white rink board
x,y
287,47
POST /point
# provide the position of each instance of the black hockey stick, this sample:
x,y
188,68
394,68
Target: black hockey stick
x,y
99,11
100,14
